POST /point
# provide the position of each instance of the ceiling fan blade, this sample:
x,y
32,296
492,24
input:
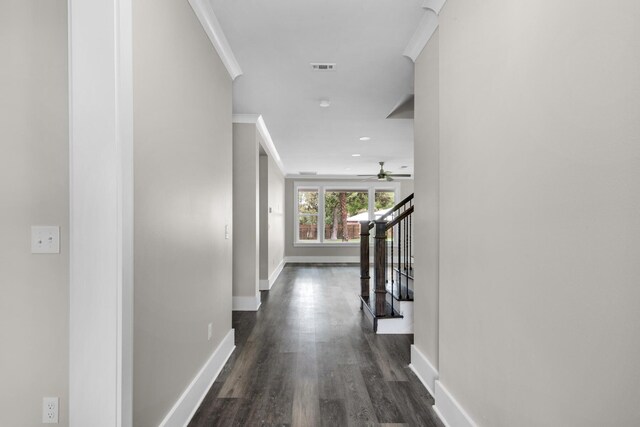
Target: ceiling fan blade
x,y
388,177
399,175
367,175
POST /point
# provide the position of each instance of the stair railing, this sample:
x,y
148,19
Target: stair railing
x,y
393,260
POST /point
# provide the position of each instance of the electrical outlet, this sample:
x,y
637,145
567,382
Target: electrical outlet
x,y
50,410
45,239
209,331
226,231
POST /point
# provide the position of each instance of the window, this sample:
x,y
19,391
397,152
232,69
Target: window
x,y
384,200
330,213
343,209
308,215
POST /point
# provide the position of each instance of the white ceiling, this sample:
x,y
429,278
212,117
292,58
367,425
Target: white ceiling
x,y
275,41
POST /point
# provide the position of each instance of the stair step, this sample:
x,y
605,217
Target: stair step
x,y
370,304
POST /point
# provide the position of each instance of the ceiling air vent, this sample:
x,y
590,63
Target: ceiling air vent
x,y
323,66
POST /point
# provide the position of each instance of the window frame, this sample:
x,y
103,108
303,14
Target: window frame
x,y
322,187
309,188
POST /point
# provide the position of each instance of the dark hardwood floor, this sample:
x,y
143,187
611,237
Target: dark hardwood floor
x,y
309,358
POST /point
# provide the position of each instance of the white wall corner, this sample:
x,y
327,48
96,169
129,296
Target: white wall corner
x,y
427,26
188,403
449,409
257,120
207,17
101,205
424,369
246,303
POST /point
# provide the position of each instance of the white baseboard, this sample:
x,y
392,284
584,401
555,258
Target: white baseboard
x,y
188,403
246,303
424,369
449,410
276,273
322,259
265,284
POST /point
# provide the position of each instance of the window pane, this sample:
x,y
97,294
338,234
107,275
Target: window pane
x,y
308,227
384,201
343,210
308,201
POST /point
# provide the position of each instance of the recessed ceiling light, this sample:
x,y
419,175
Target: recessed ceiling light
x,y
355,155
365,138
324,103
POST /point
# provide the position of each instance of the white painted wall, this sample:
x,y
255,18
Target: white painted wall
x,y
539,210
183,200
34,189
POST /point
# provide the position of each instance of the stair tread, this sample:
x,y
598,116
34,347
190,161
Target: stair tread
x,y
370,304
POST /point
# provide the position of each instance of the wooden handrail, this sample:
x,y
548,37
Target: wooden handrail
x,y
396,207
399,218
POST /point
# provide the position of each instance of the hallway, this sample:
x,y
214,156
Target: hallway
x,y
308,357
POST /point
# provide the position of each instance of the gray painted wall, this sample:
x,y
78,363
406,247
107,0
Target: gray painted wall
x,y
539,206
275,218
34,189
264,216
183,189
246,248
426,216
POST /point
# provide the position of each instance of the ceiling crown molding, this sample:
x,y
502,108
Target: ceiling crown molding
x,y
208,20
257,120
427,26
435,5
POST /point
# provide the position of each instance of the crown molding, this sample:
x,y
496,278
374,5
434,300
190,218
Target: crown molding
x,y
257,120
427,26
435,5
207,17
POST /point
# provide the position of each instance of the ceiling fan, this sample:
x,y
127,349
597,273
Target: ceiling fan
x,y
384,175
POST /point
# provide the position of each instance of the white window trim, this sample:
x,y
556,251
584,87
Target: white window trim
x,y
321,187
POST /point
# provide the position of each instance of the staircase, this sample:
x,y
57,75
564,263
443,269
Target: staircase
x,y
389,303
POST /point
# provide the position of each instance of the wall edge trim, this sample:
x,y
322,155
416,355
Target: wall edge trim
x,y
189,402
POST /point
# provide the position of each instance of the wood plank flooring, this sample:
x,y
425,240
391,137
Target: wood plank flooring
x,y
308,357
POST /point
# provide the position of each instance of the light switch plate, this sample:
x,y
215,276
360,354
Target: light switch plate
x,y
45,239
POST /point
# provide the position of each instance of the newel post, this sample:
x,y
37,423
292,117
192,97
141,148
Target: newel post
x,y
380,266
364,260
